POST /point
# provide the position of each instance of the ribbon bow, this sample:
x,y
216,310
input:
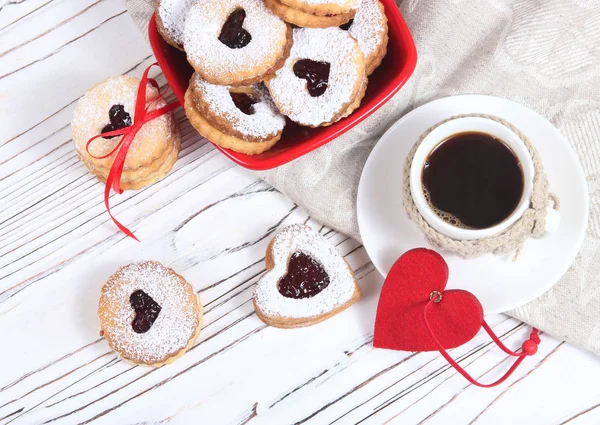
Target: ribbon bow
x,y
141,117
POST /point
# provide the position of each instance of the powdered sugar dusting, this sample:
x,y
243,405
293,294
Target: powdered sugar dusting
x,y
331,45
204,25
368,26
302,238
266,121
176,323
173,14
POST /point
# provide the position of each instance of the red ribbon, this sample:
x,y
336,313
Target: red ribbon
x,y
529,348
141,117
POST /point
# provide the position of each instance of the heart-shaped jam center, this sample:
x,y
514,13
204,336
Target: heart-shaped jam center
x,y
347,25
118,119
305,277
232,34
146,311
315,73
243,102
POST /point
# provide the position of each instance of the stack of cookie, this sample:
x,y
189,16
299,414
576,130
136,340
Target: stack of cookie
x,y
253,69
110,106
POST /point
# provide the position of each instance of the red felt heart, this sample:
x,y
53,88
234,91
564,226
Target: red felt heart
x,y
400,325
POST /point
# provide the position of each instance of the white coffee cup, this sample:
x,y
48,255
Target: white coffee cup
x,y
497,130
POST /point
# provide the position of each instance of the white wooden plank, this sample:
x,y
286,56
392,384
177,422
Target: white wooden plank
x,y
211,221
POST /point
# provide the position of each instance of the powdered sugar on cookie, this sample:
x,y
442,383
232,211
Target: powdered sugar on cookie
x,y
266,121
213,59
173,14
175,325
300,238
346,76
369,26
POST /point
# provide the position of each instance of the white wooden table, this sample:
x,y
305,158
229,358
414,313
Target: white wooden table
x,y
211,221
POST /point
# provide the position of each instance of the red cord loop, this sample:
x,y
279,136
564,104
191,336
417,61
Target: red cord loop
x,y
141,117
529,348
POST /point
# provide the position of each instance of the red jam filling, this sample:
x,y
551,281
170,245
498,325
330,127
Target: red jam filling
x,y
232,34
146,311
118,119
306,277
315,73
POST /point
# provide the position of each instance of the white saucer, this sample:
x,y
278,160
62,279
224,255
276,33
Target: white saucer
x,y
499,283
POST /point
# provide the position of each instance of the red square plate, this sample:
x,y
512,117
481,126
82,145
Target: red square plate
x,y
396,68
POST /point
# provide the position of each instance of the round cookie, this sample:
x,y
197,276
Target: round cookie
x,y
149,314
323,7
370,29
323,80
307,280
308,20
241,119
110,105
235,42
170,20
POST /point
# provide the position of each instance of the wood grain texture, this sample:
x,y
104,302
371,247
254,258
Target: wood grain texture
x,y
211,221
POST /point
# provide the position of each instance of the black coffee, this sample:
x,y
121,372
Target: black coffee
x,y
473,180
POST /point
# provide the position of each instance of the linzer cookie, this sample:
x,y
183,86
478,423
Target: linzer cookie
x,y
242,119
170,20
323,80
323,7
307,280
235,42
110,106
305,19
149,314
370,29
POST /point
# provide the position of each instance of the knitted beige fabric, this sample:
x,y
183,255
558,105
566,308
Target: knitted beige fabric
x,y
531,224
544,54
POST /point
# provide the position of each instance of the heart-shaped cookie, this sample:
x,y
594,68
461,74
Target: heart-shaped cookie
x,y
417,275
307,280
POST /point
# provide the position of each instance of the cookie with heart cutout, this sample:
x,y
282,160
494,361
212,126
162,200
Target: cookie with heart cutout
x,y
149,314
323,80
243,119
307,280
235,42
